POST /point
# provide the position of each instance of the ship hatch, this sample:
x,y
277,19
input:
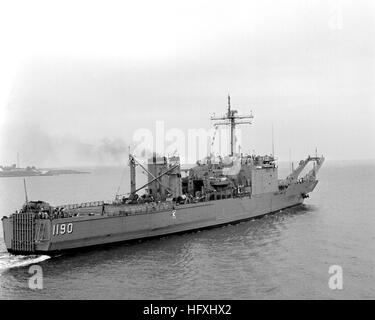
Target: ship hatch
x,y
23,232
197,185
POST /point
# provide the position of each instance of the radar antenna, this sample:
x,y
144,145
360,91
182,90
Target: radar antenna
x,y
231,119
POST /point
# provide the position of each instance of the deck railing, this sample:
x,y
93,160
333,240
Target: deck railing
x,y
81,205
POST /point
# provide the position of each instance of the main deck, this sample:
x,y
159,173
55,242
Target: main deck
x,y
98,223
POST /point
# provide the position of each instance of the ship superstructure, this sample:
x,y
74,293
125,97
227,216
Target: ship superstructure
x,y
216,191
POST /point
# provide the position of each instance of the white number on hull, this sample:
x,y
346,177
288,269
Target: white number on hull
x,y
60,229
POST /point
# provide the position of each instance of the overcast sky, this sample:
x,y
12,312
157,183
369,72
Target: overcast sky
x,y
77,78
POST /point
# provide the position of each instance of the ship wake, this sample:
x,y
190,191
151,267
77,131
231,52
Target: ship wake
x,y
9,261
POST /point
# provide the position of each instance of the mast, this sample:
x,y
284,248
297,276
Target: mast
x,y
232,126
24,185
290,160
273,145
231,119
132,165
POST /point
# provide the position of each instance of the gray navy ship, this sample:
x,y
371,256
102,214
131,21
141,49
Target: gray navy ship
x,y
215,192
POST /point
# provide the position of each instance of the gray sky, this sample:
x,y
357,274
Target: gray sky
x,y
80,77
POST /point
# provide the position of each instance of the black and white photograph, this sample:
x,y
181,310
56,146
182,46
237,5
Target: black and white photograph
x,y
166,151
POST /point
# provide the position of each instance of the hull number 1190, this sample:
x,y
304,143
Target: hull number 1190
x,y
63,228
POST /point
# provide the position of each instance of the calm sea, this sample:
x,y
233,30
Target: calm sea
x,y
281,256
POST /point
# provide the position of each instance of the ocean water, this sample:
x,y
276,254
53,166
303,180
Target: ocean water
x,y
282,256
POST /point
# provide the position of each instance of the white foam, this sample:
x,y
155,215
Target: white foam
x,y
8,261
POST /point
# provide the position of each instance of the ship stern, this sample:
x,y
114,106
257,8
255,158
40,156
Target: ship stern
x,y
7,232
26,234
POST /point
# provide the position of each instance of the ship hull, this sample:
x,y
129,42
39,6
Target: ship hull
x,y
75,233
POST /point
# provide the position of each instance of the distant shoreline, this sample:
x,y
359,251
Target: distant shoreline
x,y
53,172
